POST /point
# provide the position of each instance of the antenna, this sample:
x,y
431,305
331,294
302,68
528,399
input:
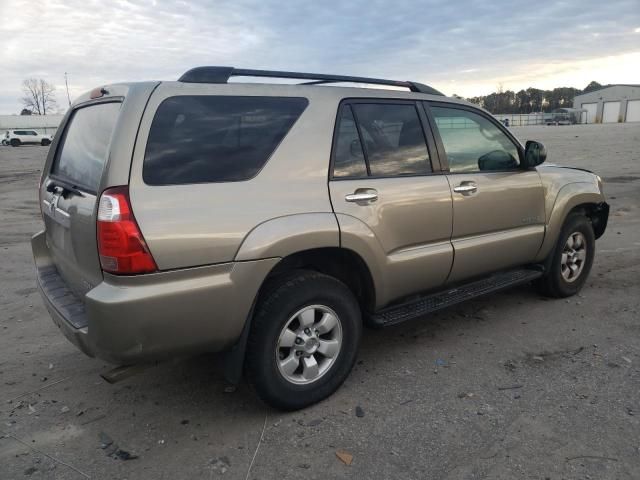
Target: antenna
x,y
66,83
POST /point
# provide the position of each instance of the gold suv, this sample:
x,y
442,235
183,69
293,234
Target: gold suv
x,y
273,221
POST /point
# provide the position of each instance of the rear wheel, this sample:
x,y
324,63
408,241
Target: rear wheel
x,y
572,258
15,142
304,339
45,142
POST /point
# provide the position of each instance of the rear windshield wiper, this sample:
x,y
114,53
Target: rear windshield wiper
x,y
62,187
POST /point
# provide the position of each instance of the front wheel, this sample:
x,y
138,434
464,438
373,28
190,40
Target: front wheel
x,y
45,142
304,339
571,259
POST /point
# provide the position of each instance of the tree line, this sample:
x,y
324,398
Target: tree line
x,y
531,99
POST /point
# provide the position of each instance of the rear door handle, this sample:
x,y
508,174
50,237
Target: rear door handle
x,y
466,188
362,195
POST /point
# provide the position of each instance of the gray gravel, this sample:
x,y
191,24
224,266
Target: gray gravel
x,y
509,386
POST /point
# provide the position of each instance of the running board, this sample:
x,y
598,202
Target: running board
x,y
419,307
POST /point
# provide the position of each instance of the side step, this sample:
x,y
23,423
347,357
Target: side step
x,y
424,305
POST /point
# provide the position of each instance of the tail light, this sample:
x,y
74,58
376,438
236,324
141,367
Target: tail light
x,y
121,245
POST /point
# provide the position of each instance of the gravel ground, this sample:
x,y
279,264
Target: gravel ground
x,y
509,386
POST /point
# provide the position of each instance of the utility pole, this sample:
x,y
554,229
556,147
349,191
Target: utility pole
x,y
67,85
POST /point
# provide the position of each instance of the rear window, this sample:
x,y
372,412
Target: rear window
x,y
202,139
85,145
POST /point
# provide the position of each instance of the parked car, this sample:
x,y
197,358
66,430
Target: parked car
x,y
15,138
559,119
273,222
564,116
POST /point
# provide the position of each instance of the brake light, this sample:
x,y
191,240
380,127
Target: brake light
x,y
121,245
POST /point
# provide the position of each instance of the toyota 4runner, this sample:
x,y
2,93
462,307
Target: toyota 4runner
x,y
273,221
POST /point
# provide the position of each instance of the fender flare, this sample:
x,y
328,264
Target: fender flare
x,y
278,238
283,236
568,197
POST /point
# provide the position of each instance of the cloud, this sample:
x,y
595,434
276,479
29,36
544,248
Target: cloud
x,y
466,47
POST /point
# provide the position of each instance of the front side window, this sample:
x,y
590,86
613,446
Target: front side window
x,y
393,139
203,139
473,143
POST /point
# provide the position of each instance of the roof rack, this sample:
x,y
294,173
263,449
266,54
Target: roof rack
x,y
222,75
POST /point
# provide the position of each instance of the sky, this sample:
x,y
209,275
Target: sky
x,y
464,47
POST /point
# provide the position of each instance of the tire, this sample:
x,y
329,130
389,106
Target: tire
x,y
291,303
15,142
562,279
45,142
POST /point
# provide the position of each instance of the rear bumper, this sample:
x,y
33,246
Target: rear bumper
x,y
126,320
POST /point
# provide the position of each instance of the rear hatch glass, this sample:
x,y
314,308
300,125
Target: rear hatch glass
x,y
69,212
85,144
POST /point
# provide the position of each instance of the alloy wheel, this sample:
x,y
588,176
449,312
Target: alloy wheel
x,y
574,255
309,344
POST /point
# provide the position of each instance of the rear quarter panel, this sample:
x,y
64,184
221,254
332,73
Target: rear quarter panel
x,y
200,224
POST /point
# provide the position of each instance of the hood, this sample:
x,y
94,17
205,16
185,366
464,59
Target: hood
x,y
562,175
566,166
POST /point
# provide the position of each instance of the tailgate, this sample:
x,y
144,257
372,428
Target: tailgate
x,y
69,193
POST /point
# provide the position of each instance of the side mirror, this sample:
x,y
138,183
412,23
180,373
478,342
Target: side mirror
x,y
534,153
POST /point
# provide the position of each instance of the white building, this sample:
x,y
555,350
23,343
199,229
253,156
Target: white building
x,y
610,104
41,123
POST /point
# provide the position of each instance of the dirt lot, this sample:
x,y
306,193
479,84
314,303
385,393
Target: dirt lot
x,y
509,386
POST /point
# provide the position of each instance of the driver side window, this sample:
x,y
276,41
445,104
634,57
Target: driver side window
x,y
473,143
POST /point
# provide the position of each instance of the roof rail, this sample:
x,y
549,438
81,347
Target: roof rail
x,y
222,75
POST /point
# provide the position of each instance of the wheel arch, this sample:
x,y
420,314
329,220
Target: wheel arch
x,y
597,213
283,236
579,197
340,263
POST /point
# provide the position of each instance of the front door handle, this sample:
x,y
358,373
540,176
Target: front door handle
x,y
362,196
466,188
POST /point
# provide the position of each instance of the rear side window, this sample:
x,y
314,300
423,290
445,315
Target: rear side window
x,y
349,157
390,137
82,155
202,139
